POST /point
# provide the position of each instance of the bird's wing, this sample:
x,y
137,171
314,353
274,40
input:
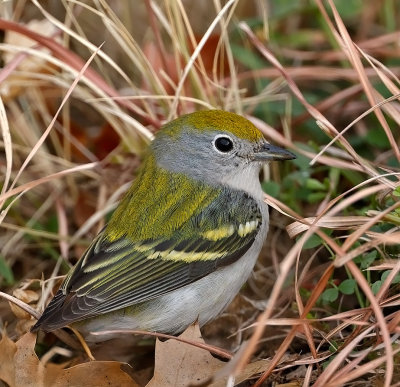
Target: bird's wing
x,y
115,274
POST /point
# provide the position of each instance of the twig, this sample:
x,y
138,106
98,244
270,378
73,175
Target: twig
x,y
214,350
21,304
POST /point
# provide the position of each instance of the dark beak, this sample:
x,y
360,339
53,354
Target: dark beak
x,y
267,152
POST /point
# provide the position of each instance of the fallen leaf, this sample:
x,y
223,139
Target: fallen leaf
x,y
19,366
7,352
179,364
250,370
94,373
27,296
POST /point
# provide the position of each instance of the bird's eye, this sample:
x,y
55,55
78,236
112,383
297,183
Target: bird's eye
x,y
223,144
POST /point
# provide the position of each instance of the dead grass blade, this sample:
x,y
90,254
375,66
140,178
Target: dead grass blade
x,y
26,187
49,128
194,56
5,130
357,64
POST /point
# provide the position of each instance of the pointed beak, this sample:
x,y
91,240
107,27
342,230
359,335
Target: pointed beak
x,y
267,152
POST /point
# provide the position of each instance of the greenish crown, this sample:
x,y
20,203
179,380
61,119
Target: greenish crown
x,y
214,120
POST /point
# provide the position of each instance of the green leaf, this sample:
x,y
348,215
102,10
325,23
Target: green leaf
x,y
352,176
333,346
247,57
369,259
312,242
6,272
271,188
377,137
301,161
326,363
385,274
330,295
315,185
376,286
366,260
349,8
316,197
348,286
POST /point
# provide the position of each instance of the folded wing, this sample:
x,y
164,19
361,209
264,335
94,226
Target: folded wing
x,y
123,272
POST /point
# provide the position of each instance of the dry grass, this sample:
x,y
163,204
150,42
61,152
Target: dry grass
x,y
75,115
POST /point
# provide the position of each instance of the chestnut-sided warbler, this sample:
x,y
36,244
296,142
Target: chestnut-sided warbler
x,y
183,240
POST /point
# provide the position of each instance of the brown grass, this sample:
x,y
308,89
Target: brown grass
x,y
68,96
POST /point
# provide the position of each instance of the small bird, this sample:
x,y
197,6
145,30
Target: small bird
x,y
183,240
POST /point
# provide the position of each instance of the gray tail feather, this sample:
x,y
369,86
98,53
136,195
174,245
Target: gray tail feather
x,y
51,318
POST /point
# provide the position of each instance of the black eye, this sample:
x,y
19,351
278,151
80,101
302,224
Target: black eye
x,y
223,144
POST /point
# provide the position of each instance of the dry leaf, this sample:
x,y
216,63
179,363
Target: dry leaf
x,y
250,370
19,366
96,374
334,222
180,364
27,296
23,326
7,352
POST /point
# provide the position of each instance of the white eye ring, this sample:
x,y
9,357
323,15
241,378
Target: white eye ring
x,y
223,144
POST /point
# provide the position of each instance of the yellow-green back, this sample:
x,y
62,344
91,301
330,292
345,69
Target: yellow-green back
x,y
157,204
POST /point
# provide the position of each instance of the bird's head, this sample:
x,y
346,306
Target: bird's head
x,y
215,146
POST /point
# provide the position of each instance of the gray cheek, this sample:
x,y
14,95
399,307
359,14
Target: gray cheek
x,y
195,157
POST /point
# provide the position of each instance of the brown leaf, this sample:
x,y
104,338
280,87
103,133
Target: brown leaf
x,y
19,366
95,373
7,352
27,296
23,326
180,364
250,370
